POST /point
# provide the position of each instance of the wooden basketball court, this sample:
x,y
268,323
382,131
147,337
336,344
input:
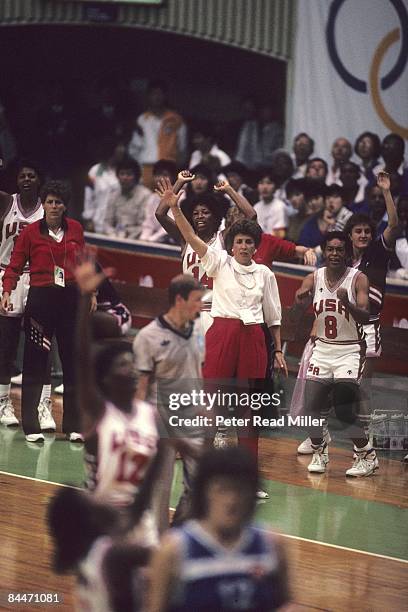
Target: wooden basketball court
x,y
346,540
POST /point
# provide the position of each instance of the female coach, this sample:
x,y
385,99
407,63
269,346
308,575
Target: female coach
x,y
51,246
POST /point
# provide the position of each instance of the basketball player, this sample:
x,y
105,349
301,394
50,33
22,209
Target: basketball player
x,y
219,561
340,302
120,432
16,212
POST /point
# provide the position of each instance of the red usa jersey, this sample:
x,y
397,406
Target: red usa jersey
x,y
335,323
14,221
192,265
118,456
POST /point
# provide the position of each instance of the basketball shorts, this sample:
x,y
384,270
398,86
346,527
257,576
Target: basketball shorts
x,y
19,295
331,362
373,339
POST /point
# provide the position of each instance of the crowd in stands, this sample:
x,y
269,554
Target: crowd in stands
x,y
296,195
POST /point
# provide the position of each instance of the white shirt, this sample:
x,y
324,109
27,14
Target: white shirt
x,y
144,147
105,185
240,288
197,156
272,215
401,250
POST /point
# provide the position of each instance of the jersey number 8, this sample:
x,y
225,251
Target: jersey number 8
x,y
330,327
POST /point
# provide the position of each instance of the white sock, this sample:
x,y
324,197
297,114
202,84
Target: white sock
x,y
365,448
46,392
4,391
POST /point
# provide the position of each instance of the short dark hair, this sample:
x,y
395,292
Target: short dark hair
x,y
264,172
295,186
320,159
304,135
236,167
217,204
314,189
28,163
183,285
335,190
166,165
334,235
374,139
128,163
104,355
359,219
58,188
234,463
246,227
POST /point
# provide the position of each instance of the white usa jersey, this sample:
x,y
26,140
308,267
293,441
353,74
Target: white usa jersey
x,y
192,265
13,223
119,454
334,322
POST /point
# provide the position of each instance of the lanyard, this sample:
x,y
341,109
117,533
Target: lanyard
x,y
65,249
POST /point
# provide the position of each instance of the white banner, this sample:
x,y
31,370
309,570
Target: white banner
x,y
350,70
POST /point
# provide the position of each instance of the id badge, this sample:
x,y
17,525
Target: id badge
x,y
247,317
59,276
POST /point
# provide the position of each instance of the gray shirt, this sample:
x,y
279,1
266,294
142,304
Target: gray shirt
x,y
125,213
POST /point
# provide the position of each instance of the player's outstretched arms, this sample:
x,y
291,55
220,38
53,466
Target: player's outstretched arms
x,y
166,191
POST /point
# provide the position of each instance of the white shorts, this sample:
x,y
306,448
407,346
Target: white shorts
x,y
330,361
373,339
18,296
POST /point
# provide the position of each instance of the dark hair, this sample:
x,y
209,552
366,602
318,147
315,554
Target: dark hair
x,y
314,189
304,135
76,521
334,190
355,167
58,188
334,235
359,219
397,139
165,165
217,204
266,172
246,227
295,186
183,285
236,167
234,463
103,358
204,170
128,163
320,159
374,139
28,163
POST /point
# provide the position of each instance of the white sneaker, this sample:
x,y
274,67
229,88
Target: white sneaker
x,y
405,459
364,464
34,437
17,380
7,416
319,460
220,440
306,447
262,494
45,417
74,436
59,390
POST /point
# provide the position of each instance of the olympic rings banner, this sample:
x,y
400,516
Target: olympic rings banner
x,y
350,71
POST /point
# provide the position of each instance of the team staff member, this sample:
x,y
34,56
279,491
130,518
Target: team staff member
x,y
51,247
245,296
219,561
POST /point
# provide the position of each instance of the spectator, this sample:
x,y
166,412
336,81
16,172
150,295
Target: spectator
x,y
206,151
102,184
341,153
392,151
8,147
259,138
316,170
303,147
334,203
282,167
314,202
126,211
271,211
237,176
316,228
160,133
368,149
401,247
295,195
152,231
354,183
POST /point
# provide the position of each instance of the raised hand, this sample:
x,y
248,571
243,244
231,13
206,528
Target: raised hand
x,y
185,176
166,193
87,278
222,186
383,181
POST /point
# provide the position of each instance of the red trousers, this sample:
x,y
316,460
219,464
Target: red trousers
x,y
236,351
